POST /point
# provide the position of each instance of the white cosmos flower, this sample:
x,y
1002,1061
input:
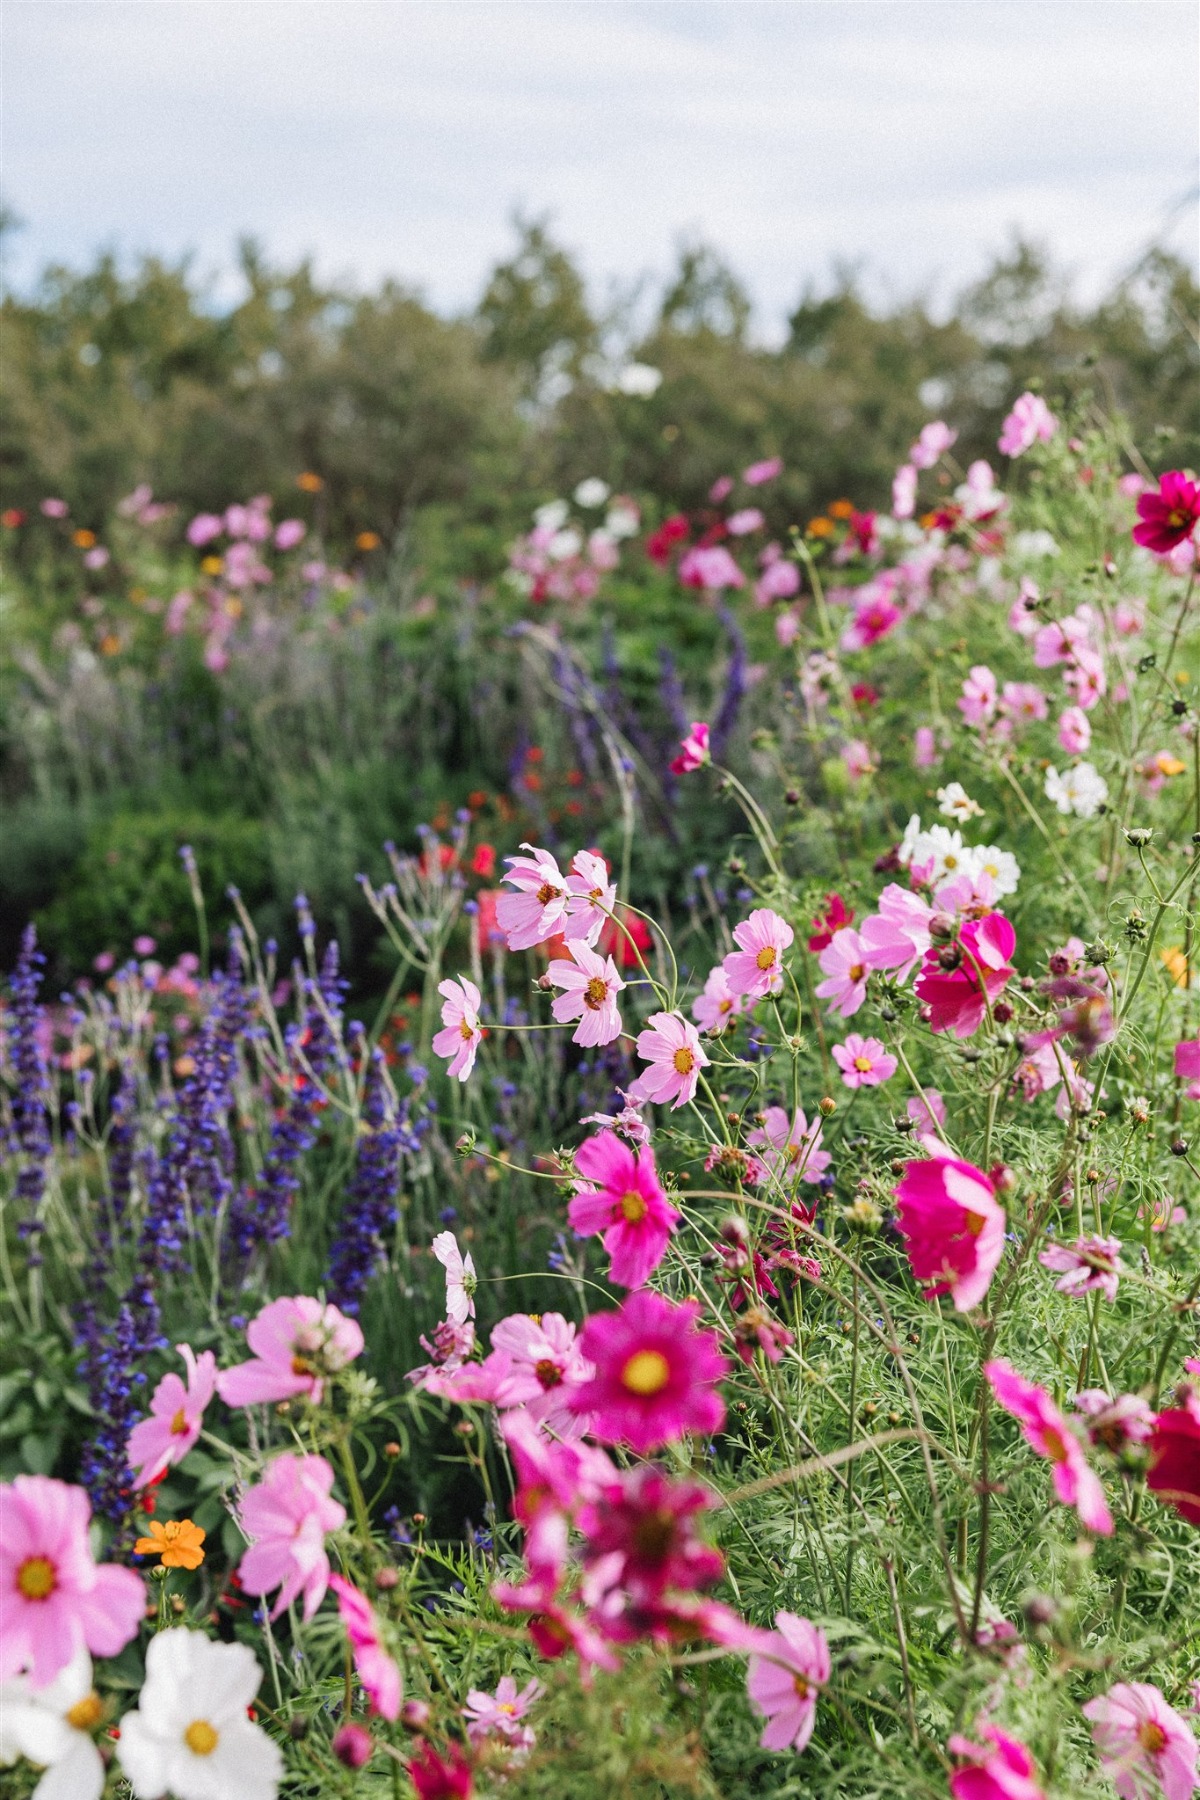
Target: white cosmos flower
x,y
592,492
1001,865
52,1727
1081,790
564,545
640,380
190,1736
552,515
460,1278
954,802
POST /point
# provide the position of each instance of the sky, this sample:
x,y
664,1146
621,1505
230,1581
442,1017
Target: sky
x,y
398,137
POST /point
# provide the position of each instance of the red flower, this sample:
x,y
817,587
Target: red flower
x,y
438,1780
1174,1473
659,543
483,862
835,915
1168,517
616,936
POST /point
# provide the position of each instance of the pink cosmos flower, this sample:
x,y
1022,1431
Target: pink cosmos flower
x,y
296,1342
980,695
628,1123
1170,516
640,1535
845,962
740,524
709,566
502,1711
289,533
721,489
927,1113
377,1671
156,1444
955,994
54,1599
1187,1065
863,1061
1050,1434
779,580
1023,700
925,749
760,472
463,1033
1146,1748
755,968
896,937
1074,730
623,1199
592,897
672,1047
434,1778
1005,1771
552,1479
656,1373
693,750
791,1147
875,615
789,1667
538,908
935,439
1029,421
542,1362
286,1516
904,491
717,1007
204,528
1090,1263
1127,1419
1174,1472
953,1228
461,1280
591,985
856,755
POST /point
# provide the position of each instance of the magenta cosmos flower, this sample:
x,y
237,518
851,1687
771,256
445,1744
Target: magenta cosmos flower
x,y
693,750
538,908
1187,1066
672,1047
958,982
590,986
1144,1745
863,1061
1169,516
624,1199
54,1599
286,1516
846,964
1049,1433
785,1674
297,1343
462,1034
755,968
1089,1264
377,1671
1003,1770
1174,1472
656,1374
1029,422
640,1535
156,1444
953,1228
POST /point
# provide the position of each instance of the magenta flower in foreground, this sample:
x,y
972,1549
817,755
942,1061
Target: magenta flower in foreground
x,y
672,1047
1047,1430
296,1342
54,1599
785,1674
1144,1745
693,750
624,1199
1029,421
1089,1263
656,1374
755,968
377,1671
958,996
463,1034
953,1228
286,1516
156,1444
590,986
863,1061
1169,516
640,1535
1004,1770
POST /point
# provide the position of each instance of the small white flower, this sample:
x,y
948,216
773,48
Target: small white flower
x,y
1001,865
639,380
1081,790
190,1736
622,519
592,492
52,1727
564,545
955,803
460,1278
552,515
1034,544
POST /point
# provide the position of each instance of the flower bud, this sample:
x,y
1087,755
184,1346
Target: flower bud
x,y
414,1715
387,1579
1139,836
827,1106
353,1745
941,927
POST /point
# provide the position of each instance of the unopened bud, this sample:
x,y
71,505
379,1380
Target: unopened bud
x,y
904,1124
735,1231
941,927
1179,1146
826,1106
386,1579
465,1144
391,1450
1139,836
353,1745
1002,1178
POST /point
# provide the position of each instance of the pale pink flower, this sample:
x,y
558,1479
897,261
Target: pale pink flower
x,y
1145,1746
378,1672
693,750
1048,1431
542,1364
859,763
717,1007
672,1047
289,533
1074,730
784,1676
502,1711
1029,421
1023,700
925,750
791,1146
176,1413
538,908
297,1342
845,962
904,491
1085,678
980,695
592,897
739,524
1127,1419
1005,1771
463,1034
760,472
591,985
779,580
755,968
927,1113
863,1061
1090,1263
787,627
628,1123
721,489
709,566
204,528
935,439
461,1280
286,1517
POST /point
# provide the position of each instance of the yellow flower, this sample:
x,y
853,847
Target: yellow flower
x,y
1176,965
308,483
176,1541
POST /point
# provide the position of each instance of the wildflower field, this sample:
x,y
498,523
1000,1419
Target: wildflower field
x,y
682,1278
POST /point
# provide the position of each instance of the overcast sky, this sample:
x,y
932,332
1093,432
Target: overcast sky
x,y
397,136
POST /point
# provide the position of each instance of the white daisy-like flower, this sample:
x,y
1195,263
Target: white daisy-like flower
x,y
552,515
190,1736
639,380
1034,544
592,492
1081,790
52,1726
564,545
622,520
1001,865
954,802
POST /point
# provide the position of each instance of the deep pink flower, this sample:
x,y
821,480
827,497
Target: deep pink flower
x,y
755,968
624,1199
435,1779
709,566
1029,421
761,472
846,965
955,995
552,1479
377,1671
538,908
463,1033
1090,1263
1048,1431
297,1342
502,1711
717,1007
156,1444
590,986
1187,1065
786,1672
953,1228
863,1061
1146,1748
791,1147
1174,1472
980,696
656,1373
875,615
286,1517
54,1599
640,1534
672,1047
1005,1771
834,915
693,750
1169,516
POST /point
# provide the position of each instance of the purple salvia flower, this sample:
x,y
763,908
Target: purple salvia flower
x,y
370,1208
32,1134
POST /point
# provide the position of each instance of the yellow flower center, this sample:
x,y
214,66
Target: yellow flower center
x,y
179,1424
800,1683
858,971
633,1207
595,993
1152,1737
1056,1449
647,1372
684,1061
37,1578
86,1712
466,1031
863,1064
200,1738
766,957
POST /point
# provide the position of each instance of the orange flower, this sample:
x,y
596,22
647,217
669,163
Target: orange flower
x,y
819,528
176,1541
367,540
85,539
841,509
309,483
1176,965
110,644
211,565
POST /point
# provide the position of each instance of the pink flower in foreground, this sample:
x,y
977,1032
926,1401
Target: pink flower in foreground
x,y
1168,517
656,1374
463,1033
863,1061
54,1599
156,1444
1049,1433
296,1342
640,1534
785,1674
435,1779
935,439
875,615
538,908
591,985
1005,1771
764,471
502,1711
1089,1263
693,750
959,982
377,1671
755,968
672,1047
953,1228
846,965
1145,1746
791,1147
286,1516
623,1199
1074,730
552,1479
1029,421
718,1006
